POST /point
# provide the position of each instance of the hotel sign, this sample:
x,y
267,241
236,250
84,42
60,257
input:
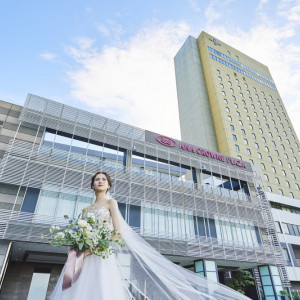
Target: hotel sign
x,y
171,143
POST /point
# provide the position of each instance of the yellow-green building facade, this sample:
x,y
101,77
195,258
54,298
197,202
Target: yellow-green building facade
x,y
228,102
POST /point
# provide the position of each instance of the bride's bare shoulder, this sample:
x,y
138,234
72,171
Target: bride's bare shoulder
x,y
112,203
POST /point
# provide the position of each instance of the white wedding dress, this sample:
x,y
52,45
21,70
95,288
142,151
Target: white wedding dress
x,y
99,279
146,274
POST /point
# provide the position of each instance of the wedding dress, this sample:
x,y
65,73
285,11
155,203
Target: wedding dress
x,y
138,271
99,278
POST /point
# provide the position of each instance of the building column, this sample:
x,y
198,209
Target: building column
x,y
5,250
271,282
207,268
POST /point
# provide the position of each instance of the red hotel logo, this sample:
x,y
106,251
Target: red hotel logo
x,y
168,142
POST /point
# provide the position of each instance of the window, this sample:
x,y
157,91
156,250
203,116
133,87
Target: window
x,y
283,173
243,131
238,114
231,90
277,180
244,102
263,139
289,165
263,166
279,162
218,72
233,98
246,141
276,152
293,176
291,195
285,155
282,146
270,159
235,105
239,157
278,228
225,101
248,151
227,109
250,126
256,145
259,155
287,183
229,82
297,186
268,126
229,118
253,106
232,127
280,192
220,78
267,149
269,189
250,98
258,122
234,137
241,94
236,80
223,93
237,148
270,134
266,177
239,87
246,85
254,89
248,118
246,109
273,169
253,135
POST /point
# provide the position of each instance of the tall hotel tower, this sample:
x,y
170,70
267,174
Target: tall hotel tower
x,y
228,102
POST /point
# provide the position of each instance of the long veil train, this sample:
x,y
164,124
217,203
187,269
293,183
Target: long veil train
x,y
152,276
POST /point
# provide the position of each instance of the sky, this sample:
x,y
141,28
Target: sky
x,y
116,58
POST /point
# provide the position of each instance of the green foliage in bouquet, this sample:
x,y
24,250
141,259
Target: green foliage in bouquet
x,y
86,233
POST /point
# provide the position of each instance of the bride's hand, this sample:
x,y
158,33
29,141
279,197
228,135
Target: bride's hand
x,y
87,253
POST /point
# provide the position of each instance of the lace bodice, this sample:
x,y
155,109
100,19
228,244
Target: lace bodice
x,y
103,214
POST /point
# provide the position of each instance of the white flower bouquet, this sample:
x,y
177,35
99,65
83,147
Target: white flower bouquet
x,y
86,233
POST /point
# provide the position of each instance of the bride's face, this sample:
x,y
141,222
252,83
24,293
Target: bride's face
x,y
101,183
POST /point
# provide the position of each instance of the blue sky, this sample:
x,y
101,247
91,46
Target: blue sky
x,y
116,58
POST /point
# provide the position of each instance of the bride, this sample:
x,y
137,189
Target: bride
x,y
136,271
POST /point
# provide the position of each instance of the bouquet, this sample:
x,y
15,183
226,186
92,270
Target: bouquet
x,y
86,232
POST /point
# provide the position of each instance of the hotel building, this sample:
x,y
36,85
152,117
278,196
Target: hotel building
x,y
198,207
229,103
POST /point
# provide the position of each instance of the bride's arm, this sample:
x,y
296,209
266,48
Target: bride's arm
x,y
114,210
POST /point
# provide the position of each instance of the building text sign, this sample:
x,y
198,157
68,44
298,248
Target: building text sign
x,y
168,142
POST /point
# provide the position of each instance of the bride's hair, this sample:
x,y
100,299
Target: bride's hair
x,y
107,177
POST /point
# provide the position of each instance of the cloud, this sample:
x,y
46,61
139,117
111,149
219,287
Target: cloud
x,y
104,30
48,56
194,5
133,82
